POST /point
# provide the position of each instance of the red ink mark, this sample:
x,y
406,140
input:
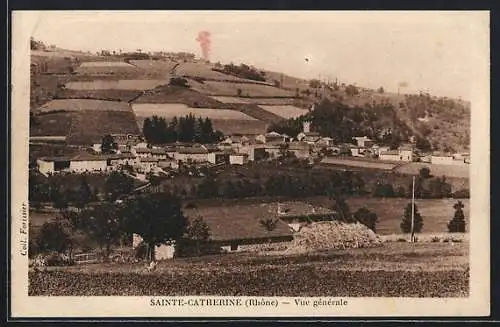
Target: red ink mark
x,y
204,40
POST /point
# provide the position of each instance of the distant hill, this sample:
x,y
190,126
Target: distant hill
x,y
443,121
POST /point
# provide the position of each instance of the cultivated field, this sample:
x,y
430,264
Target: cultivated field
x,y
108,95
218,88
372,164
273,101
89,127
286,111
244,127
52,124
177,94
155,65
145,84
105,64
176,109
436,213
193,69
229,99
84,104
44,88
393,270
107,68
413,168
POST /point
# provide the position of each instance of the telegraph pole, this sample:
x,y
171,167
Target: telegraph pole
x,y
413,210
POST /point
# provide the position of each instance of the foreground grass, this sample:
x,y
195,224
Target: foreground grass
x,y
394,270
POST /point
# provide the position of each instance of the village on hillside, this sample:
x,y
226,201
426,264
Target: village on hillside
x,y
147,160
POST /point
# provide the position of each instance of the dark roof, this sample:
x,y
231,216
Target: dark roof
x,y
242,222
192,150
391,152
212,147
149,159
59,158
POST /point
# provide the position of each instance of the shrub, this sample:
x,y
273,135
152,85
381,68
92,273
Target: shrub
x,y
52,237
435,239
190,205
57,259
367,218
457,223
461,194
140,251
179,81
406,221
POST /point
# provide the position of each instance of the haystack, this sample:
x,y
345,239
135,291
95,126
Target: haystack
x,y
327,235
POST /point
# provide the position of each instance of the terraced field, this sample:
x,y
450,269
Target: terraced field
x,y
143,84
52,124
108,95
118,68
202,70
175,109
84,104
89,127
217,88
286,111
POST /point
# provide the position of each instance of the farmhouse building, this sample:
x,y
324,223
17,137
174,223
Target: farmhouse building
x,y
449,159
363,141
239,227
238,159
218,157
406,152
146,165
83,162
301,150
191,154
274,137
168,164
253,151
156,153
391,155
325,141
273,150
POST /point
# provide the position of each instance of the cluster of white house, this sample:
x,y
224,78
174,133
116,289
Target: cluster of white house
x,y
235,150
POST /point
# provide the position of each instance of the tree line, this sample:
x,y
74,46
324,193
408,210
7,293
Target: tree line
x,y
378,121
243,71
157,130
157,218
286,184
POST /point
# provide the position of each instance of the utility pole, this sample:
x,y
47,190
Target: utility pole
x,y
413,210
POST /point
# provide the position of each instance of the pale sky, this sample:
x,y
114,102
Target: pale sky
x,y
432,51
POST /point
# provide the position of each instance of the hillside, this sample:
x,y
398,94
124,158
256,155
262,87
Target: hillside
x,y
269,97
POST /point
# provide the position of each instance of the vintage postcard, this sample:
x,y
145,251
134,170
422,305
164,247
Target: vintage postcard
x,y
250,164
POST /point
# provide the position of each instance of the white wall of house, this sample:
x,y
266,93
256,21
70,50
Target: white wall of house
x,y
406,155
97,147
45,167
162,252
389,157
238,159
90,165
161,156
195,157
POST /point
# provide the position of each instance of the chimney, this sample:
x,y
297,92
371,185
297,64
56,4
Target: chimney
x,y
306,126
